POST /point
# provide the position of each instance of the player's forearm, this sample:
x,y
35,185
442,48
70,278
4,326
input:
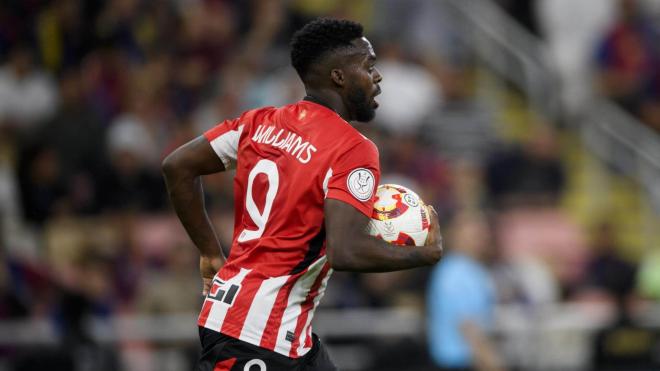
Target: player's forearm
x,y
187,197
373,255
350,248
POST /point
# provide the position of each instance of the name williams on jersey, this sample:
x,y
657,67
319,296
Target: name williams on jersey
x,y
288,141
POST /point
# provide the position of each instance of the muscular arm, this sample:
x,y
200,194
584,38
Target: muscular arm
x,y
350,248
182,170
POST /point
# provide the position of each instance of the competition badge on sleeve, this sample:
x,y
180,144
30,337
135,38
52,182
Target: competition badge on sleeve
x,y
360,183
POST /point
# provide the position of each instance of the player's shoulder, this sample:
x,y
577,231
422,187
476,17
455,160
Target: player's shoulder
x,y
353,140
257,114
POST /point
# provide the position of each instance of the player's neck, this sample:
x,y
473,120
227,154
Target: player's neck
x,y
332,101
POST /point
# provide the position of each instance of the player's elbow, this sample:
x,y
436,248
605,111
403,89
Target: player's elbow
x,y
168,166
339,263
339,257
171,166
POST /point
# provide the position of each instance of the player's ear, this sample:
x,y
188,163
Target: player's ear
x,y
337,77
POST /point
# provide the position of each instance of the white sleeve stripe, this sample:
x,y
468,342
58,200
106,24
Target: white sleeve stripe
x,y
226,147
328,175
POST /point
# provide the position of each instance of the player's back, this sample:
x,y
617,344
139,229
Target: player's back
x,y
288,160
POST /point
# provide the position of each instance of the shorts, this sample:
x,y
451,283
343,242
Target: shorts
x,y
224,353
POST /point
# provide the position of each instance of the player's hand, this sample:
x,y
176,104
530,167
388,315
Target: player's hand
x,y
434,239
208,267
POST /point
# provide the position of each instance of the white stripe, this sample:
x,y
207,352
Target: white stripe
x,y
262,305
226,147
302,350
294,305
328,175
219,309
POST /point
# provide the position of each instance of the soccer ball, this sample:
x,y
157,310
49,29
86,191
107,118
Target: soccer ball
x,y
399,216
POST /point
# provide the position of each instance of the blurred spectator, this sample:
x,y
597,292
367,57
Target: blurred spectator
x,y
546,249
461,300
532,174
302,11
76,134
65,33
526,280
625,346
105,74
625,343
11,215
27,94
461,127
11,305
207,33
570,29
43,192
136,78
85,292
404,161
467,186
648,277
628,58
118,23
608,274
130,184
523,11
234,81
176,274
132,180
409,91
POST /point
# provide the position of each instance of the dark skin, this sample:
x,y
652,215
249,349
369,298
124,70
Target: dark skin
x,y
335,82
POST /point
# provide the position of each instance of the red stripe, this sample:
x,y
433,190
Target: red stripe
x,y
308,339
225,365
269,337
218,130
307,305
204,314
235,318
229,273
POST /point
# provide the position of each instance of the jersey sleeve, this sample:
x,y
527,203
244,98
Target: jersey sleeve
x,y
224,139
354,177
225,136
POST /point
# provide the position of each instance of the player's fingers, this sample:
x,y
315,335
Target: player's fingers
x,y
433,216
206,286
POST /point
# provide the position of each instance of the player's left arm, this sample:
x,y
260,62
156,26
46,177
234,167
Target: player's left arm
x,y
182,171
350,248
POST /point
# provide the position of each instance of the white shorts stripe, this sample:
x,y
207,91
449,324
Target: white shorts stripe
x,y
262,305
294,305
302,349
218,308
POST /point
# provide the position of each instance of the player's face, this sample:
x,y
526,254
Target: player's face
x,y
363,83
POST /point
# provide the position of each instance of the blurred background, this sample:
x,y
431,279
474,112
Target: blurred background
x,y
531,126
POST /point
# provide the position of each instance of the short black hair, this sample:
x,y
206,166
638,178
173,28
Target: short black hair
x,y
318,37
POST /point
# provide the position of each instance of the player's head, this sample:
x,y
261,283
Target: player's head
x,y
333,54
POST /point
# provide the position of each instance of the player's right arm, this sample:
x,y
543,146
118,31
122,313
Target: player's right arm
x,y
350,248
182,171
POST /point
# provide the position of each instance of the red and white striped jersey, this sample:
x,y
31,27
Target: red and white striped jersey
x,y
287,160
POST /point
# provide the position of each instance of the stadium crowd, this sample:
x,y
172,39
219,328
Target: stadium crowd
x,y
94,94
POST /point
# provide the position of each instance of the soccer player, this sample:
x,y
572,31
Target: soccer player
x,y
304,189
